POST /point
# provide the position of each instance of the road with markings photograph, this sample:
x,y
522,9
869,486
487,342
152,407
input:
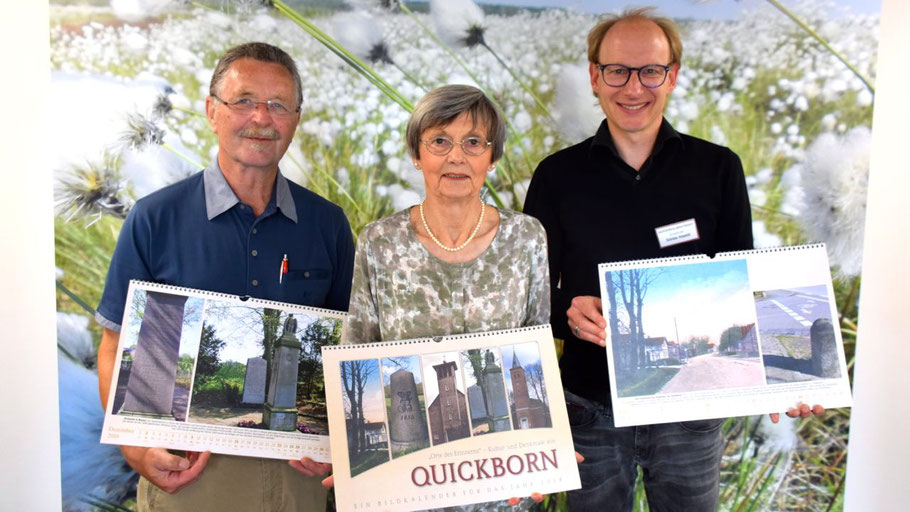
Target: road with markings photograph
x,y
790,311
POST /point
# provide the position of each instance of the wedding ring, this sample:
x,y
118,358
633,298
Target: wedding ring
x,y
576,330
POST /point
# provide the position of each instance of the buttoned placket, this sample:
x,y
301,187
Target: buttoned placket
x,y
253,252
253,279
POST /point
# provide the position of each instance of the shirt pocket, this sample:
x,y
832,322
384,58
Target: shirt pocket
x,y
309,286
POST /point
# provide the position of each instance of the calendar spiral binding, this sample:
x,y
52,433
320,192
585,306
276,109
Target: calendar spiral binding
x,y
695,258
149,285
780,248
436,339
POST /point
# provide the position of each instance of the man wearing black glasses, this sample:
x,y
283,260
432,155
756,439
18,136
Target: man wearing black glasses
x,y
605,199
238,227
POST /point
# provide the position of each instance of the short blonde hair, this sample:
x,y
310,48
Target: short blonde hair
x,y
596,35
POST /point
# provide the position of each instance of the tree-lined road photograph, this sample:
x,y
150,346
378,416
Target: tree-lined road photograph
x,y
682,328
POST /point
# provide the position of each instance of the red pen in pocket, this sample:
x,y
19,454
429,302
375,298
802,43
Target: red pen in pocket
x,y
284,268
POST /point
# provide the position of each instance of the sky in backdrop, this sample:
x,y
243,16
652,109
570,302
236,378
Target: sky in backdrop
x,y
700,299
722,9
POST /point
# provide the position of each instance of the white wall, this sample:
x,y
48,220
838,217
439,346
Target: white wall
x,y
879,450
29,438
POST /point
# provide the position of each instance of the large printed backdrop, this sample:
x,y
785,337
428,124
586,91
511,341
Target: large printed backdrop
x,y
129,78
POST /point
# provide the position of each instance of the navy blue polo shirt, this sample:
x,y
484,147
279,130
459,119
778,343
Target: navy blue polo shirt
x,y
196,233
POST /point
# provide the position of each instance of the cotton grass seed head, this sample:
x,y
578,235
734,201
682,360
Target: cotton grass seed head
x,y
362,36
380,53
141,132
91,191
459,22
162,106
577,113
834,178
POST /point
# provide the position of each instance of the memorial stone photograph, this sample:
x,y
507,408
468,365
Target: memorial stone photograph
x,y
261,368
796,334
405,405
156,366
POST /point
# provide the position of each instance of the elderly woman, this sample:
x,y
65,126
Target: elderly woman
x,y
451,264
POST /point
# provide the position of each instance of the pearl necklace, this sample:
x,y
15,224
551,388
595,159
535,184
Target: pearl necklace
x,y
465,243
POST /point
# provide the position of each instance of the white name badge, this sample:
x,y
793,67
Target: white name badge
x,y
677,233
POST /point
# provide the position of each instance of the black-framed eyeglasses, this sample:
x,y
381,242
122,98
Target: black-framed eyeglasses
x,y
651,76
442,145
247,106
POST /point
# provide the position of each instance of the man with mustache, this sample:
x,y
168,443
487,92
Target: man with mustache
x,y
229,229
606,199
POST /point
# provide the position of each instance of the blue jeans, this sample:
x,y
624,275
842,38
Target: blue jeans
x,y
680,462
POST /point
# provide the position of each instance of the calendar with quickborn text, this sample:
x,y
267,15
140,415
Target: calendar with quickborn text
x,y
446,421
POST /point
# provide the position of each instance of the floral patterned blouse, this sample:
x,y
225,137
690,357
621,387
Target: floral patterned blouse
x,y
401,291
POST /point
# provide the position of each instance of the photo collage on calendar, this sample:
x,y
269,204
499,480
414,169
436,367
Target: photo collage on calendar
x,y
451,413
413,402
197,370
743,333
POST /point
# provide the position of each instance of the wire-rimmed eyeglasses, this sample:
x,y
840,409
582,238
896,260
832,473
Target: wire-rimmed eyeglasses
x,y
651,76
441,145
247,106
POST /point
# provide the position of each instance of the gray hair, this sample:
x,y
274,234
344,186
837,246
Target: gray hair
x,y
442,105
262,52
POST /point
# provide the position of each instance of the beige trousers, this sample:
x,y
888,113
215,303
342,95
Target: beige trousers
x,y
231,483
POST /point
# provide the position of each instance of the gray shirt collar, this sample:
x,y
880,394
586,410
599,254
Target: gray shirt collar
x,y
219,197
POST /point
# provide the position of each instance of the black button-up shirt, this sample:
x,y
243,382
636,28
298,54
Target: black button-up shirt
x,y
598,209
